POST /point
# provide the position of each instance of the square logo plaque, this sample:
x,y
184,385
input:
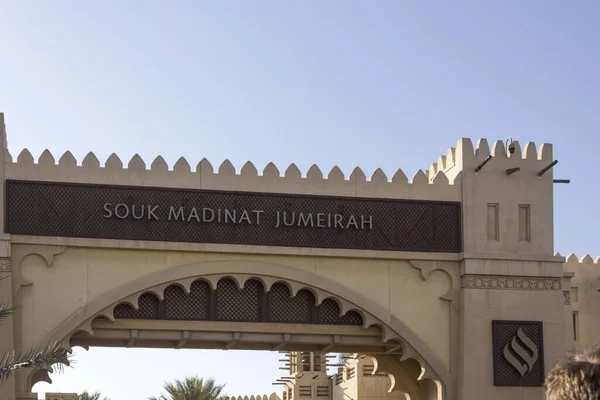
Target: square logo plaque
x,y
518,353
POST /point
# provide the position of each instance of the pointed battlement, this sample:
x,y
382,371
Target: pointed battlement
x,y
226,177
508,195
443,179
137,164
466,157
272,396
585,259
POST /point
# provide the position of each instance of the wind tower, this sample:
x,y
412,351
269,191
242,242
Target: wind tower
x,y
307,378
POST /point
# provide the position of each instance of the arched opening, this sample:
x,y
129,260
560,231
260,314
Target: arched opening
x,y
254,312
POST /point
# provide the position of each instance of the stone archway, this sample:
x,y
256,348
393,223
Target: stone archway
x,y
415,363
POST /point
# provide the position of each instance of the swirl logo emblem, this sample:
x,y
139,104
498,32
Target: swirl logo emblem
x,y
518,353
521,354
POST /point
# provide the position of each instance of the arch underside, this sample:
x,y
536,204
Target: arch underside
x,y
249,312
233,317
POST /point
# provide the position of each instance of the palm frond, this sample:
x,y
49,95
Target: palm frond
x,y
5,311
91,396
192,388
51,355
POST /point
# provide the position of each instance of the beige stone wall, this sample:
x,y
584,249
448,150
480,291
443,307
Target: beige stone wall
x,y
309,386
480,306
344,387
492,185
7,336
61,396
505,274
583,299
394,285
356,381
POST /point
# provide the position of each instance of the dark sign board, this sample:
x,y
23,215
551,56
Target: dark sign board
x,y
518,348
209,216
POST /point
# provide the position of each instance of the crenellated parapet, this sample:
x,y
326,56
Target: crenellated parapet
x,y
495,158
225,177
272,396
585,259
441,181
582,273
581,290
444,163
507,196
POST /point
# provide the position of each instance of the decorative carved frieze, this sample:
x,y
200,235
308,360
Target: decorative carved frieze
x,y
567,295
510,282
48,253
5,265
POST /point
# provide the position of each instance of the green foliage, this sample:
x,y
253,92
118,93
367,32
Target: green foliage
x,y
192,388
90,396
50,355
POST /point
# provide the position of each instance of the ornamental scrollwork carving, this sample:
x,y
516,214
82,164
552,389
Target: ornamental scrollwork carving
x,y
5,265
427,267
510,282
567,296
48,253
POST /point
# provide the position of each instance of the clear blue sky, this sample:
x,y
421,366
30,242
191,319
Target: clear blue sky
x,y
377,84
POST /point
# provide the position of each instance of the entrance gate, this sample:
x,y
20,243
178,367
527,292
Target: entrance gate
x,y
409,273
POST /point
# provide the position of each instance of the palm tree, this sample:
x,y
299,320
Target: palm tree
x,y
52,354
192,388
89,396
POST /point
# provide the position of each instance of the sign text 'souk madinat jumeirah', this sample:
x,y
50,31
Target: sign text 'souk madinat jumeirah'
x,y
207,216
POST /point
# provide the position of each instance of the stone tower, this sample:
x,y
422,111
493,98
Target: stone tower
x,y
307,376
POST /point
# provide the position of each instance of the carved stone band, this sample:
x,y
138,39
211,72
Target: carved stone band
x,y
4,264
567,297
509,282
